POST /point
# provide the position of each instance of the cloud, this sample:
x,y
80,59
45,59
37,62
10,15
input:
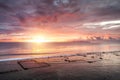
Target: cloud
x,y
61,16
5,7
104,24
9,30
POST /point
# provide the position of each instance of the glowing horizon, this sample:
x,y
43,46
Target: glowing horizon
x,y
59,20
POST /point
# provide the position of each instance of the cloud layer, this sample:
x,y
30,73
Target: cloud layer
x,y
84,17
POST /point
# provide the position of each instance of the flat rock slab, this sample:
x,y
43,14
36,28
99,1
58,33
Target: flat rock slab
x,y
29,64
51,60
7,67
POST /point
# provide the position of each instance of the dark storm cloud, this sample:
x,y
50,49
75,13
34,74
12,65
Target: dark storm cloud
x,y
23,9
5,7
111,10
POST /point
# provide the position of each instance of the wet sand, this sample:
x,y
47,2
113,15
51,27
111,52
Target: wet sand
x,y
89,66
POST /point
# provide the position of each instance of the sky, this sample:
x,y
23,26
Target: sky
x,y
59,20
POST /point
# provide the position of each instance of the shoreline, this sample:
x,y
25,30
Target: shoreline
x,y
41,56
92,66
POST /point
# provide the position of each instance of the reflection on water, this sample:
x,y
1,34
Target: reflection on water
x,y
49,48
55,48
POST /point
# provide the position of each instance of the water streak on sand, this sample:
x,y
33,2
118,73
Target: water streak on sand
x,y
56,55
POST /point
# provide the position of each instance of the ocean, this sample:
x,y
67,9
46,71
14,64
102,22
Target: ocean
x,y
22,50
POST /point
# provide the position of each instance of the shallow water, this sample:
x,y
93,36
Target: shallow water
x,y
9,51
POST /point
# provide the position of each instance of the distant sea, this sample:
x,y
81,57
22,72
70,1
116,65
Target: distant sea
x,y
22,50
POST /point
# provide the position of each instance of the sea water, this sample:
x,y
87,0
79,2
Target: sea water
x,y
22,50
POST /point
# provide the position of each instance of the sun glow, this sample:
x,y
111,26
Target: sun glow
x,y
39,39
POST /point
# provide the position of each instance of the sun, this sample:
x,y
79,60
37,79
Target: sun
x,y
39,39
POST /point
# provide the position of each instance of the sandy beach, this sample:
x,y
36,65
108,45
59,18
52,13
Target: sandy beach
x,y
91,66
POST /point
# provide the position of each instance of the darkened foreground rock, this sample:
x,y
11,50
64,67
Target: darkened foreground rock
x,y
64,68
